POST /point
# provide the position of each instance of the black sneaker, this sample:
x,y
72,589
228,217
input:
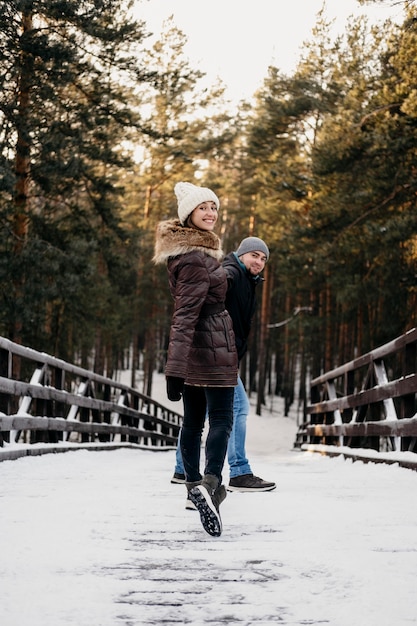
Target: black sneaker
x,y
178,479
249,482
207,498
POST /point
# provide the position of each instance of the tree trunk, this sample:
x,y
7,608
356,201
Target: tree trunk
x,y
22,171
263,340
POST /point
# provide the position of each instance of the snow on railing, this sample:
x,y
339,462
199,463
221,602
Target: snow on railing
x,y
361,412
49,405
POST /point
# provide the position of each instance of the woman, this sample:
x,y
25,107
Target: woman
x,y
202,359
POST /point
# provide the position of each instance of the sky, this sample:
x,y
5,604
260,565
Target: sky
x,y
104,539
237,40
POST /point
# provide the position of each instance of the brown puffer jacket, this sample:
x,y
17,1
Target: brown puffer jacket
x,y
202,347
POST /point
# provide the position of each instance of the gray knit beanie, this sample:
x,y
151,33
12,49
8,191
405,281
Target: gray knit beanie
x,y
252,244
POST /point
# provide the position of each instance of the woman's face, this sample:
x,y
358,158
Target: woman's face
x,y
204,216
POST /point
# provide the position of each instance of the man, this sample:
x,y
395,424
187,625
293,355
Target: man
x,y
243,269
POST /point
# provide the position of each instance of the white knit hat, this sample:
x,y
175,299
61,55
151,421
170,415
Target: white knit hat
x,y
189,196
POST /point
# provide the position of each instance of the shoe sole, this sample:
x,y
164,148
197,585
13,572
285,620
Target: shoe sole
x,y
178,481
209,516
250,489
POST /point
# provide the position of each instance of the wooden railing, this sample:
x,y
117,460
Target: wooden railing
x,y
366,409
48,405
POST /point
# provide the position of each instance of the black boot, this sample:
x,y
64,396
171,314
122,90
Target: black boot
x,y
207,498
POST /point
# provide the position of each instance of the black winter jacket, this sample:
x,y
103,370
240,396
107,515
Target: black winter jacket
x,y
240,300
202,347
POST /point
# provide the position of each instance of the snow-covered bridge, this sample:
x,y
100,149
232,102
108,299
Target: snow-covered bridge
x,y
103,539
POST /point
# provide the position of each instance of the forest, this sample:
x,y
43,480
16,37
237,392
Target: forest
x,y
96,127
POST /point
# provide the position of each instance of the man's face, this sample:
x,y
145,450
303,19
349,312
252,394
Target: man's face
x,y
254,262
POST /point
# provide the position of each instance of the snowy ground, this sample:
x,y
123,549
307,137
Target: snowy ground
x,y
103,539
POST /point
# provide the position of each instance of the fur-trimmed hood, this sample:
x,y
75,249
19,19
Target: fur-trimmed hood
x,y
173,239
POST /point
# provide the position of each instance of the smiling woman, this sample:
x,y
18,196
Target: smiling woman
x,y
202,362
237,41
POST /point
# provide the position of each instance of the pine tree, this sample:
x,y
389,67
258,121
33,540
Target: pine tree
x,y
68,71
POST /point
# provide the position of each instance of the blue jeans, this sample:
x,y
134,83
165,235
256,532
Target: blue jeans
x,y
217,403
236,453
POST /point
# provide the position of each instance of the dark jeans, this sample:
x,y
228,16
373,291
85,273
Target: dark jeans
x,y
218,403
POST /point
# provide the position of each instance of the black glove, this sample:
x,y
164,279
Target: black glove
x,y
175,387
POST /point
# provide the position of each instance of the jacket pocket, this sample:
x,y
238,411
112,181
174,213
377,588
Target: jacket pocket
x,y
229,334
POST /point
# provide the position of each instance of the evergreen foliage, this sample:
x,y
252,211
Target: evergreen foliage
x,y
68,71
95,130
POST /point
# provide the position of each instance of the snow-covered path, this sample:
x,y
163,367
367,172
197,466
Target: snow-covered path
x,y
103,539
